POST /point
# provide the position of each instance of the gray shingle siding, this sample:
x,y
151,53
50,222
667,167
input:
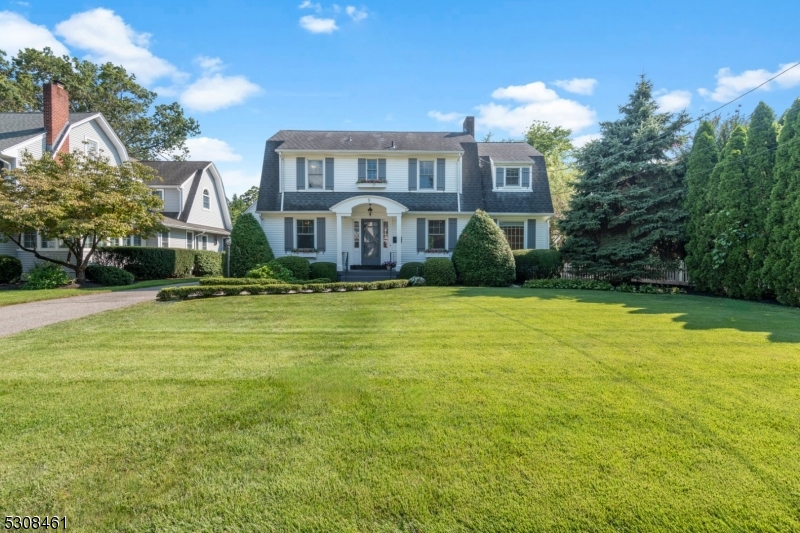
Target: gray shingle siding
x,y
536,201
174,173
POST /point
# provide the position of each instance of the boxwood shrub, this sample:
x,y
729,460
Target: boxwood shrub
x,y
155,263
323,269
108,275
300,267
209,291
208,263
439,271
10,268
482,256
411,269
537,264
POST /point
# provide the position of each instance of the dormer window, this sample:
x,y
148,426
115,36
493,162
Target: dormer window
x,y
512,178
206,200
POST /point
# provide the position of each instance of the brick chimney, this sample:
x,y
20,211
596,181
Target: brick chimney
x,y
469,125
56,113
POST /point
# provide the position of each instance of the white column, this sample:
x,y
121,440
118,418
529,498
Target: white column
x,y
339,265
399,239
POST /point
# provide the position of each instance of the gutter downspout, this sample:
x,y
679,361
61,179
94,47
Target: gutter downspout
x,y
458,177
280,171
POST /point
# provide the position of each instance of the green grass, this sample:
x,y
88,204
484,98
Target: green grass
x,y
19,297
423,409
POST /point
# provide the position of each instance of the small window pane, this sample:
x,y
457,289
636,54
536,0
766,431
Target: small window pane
x,y
372,169
190,240
385,233
204,242
515,234
165,239
356,234
29,239
426,174
160,194
305,234
206,200
91,147
137,240
436,234
314,174
512,177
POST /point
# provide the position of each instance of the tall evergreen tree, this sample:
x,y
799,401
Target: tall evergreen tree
x,y
729,220
759,155
628,209
702,159
782,265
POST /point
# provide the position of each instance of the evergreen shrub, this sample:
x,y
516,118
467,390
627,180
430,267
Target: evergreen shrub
x,y
323,269
537,264
154,263
482,256
209,291
249,246
10,268
300,267
411,269
439,272
108,275
45,276
208,263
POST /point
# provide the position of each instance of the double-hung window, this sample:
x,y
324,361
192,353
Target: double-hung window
x,y
426,174
190,240
206,200
372,170
305,234
436,234
515,234
315,174
133,240
513,178
164,239
29,239
203,244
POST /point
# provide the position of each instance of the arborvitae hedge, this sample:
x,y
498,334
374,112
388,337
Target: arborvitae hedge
x,y
482,256
249,246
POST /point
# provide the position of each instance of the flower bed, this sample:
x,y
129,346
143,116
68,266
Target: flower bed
x,y
210,291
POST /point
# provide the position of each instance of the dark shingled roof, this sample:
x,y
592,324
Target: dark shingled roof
x,y
476,179
175,172
371,140
19,127
172,222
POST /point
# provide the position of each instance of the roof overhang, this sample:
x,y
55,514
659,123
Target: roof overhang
x,y
345,207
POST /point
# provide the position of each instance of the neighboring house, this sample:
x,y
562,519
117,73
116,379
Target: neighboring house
x,y
363,198
193,191
195,207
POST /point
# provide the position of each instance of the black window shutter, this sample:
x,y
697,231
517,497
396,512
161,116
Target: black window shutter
x,y
362,169
321,234
381,169
412,174
288,234
500,179
440,174
531,233
329,173
301,173
452,233
421,233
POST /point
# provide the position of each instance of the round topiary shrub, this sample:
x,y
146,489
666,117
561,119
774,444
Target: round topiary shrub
x,y
10,268
108,275
440,272
323,269
537,264
411,269
482,256
300,267
271,271
249,246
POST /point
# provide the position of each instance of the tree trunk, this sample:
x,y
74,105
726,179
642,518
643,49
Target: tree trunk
x,y
80,274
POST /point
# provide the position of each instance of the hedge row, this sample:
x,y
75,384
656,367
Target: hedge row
x,y
595,285
207,291
108,276
161,263
256,281
537,264
208,263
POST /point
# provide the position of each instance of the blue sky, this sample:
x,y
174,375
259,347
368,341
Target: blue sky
x,y
247,69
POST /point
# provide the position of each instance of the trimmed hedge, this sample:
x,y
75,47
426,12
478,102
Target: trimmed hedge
x,y
411,269
439,272
208,291
249,246
300,267
208,263
323,269
271,271
595,285
108,275
482,256
154,263
537,264
256,281
10,268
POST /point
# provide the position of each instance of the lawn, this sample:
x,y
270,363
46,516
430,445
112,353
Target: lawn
x,y
19,297
420,409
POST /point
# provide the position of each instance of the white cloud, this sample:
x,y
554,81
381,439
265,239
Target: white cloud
x,y
356,14
209,64
318,25
582,140
730,85
108,38
307,4
210,149
445,117
578,85
239,181
213,92
17,33
538,102
671,101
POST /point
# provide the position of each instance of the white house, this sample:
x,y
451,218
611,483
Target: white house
x,y
195,205
363,198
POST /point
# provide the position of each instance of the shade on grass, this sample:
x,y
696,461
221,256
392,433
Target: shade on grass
x,y
424,409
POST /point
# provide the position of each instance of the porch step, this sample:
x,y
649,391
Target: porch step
x,y
367,275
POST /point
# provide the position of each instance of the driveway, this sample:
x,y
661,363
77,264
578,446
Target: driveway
x,y
22,317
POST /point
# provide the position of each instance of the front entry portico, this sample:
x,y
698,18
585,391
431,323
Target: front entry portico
x,y
366,237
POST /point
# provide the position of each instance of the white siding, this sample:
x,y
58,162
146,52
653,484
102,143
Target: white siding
x,y
91,130
35,147
198,215
346,171
273,226
410,233
542,228
8,248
